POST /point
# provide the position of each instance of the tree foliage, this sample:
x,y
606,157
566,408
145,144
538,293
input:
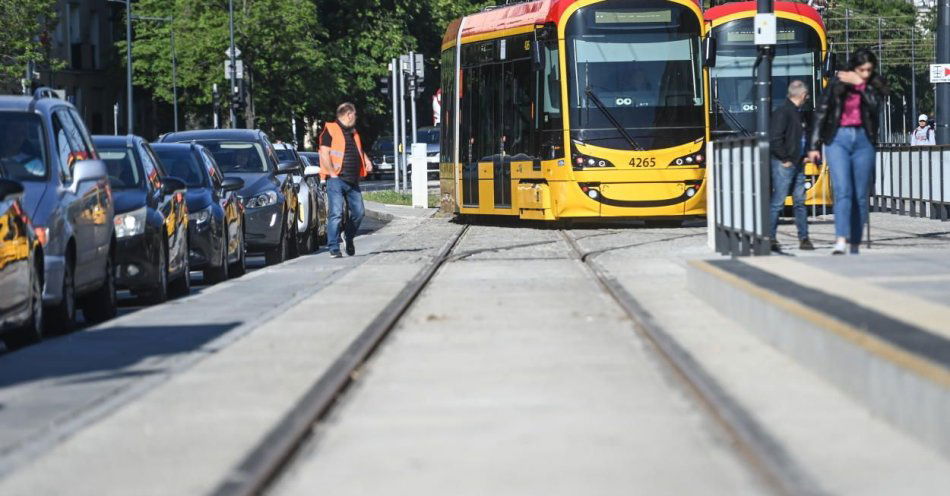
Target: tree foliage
x,y
302,57
24,37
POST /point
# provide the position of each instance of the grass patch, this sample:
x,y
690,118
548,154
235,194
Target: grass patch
x,y
391,197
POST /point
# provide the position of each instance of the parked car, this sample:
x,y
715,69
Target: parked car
x,y
310,216
45,146
21,270
216,220
383,157
151,220
431,136
312,161
269,194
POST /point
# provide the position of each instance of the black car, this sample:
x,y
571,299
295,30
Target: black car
x,y
45,146
269,194
21,270
311,215
216,220
151,219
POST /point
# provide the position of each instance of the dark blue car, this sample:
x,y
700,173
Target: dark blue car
x,y
216,224
151,220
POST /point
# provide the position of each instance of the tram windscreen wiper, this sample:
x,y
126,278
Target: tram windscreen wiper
x,y
613,120
732,118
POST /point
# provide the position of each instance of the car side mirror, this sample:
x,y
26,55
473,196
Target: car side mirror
x,y
88,170
288,167
311,171
10,190
172,184
709,51
232,183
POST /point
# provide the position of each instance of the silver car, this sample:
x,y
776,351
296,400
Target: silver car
x,y
45,146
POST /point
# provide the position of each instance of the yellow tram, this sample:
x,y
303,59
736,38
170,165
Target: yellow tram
x,y
800,54
556,109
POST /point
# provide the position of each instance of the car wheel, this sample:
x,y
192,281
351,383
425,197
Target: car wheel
x,y
214,275
100,305
32,330
292,246
159,294
182,286
277,254
306,240
239,268
62,317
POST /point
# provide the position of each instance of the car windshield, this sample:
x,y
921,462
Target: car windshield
x,y
383,145
638,67
125,171
22,154
284,154
237,156
183,164
427,136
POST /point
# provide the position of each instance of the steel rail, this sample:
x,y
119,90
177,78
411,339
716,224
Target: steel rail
x,y
265,462
765,455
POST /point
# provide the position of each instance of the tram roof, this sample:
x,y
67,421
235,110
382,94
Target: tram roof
x,y
510,17
727,9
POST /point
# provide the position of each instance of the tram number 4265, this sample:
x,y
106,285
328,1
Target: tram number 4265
x,y
643,162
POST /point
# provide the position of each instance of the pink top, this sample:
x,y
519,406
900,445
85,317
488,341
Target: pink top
x,y
851,114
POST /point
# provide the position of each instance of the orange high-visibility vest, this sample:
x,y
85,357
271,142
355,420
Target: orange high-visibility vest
x,y
338,148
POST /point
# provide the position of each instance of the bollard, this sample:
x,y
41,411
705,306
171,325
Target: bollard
x,y
420,179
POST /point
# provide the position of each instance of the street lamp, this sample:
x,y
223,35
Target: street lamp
x,y
128,61
174,61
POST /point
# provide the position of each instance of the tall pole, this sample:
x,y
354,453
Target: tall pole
x,y
394,73
233,65
402,123
943,57
913,74
128,64
765,9
412,92
880,70
175,77
847,31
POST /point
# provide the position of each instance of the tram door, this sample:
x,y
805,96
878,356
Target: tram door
x,y
468,136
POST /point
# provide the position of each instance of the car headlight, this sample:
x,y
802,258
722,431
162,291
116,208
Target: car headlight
x,y
264,199
201,216
130,223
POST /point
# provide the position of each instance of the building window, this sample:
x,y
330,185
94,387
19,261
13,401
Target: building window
x,y
75,35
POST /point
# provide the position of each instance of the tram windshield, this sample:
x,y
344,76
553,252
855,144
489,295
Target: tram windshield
x,y
797,56
635,68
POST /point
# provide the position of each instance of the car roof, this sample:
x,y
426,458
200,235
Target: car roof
x,y
16,103
111,140
215,134
175,146
284,146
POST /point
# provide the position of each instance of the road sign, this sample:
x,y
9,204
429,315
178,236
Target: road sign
x,y
239,72
237,52
940,73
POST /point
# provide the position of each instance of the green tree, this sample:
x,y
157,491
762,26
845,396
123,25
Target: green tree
x,y
24,37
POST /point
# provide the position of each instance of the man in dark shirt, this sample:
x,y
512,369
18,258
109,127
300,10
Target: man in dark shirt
x,y
788,169
343,164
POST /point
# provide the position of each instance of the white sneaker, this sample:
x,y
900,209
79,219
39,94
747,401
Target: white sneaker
x,y
840,247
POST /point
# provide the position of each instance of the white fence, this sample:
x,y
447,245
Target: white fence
x,y
739,191
912,181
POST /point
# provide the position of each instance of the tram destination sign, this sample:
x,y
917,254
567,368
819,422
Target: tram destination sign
x,y
940,73
632,16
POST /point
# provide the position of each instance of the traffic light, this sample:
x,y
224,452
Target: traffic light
x,y
383,85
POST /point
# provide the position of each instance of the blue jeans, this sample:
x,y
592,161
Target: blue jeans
x,y
851,158
337,190
783,179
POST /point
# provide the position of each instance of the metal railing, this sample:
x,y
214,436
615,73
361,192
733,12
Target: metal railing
x,y
738,201
913,181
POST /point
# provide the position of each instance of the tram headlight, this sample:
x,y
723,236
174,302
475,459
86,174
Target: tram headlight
x,y
588,162
691,159
808,184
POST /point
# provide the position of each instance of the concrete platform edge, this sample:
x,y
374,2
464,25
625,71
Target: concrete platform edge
x,y
912,402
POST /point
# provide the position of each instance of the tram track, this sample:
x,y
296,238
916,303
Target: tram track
x,y
763,454
265,462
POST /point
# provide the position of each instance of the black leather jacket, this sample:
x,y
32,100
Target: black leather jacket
x,y
828,110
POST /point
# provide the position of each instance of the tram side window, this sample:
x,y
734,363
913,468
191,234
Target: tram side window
x,y
517,122
486,99
470,115
549,121
447,145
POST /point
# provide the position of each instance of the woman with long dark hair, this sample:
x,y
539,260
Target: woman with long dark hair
x,y
846,123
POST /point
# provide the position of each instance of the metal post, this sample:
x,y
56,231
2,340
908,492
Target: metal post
x,y
412,92
214,104
942,90
913,75
233,66
174,77
128,63
115,118
847,31
393,74
402,124
880,70
293,129
763,85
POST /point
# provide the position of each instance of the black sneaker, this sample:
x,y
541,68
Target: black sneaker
x,y
805,244
350,247
776,247
336,254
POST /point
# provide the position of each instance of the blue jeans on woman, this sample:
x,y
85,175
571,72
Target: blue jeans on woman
x,y
337,190
851,158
